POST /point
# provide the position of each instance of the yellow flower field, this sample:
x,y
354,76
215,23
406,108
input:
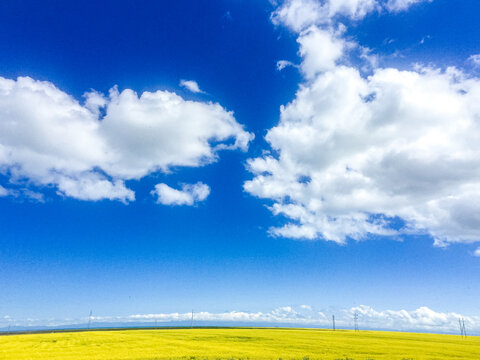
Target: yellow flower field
x,y
238,343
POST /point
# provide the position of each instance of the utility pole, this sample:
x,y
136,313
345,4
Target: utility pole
x,y
333,322
355,320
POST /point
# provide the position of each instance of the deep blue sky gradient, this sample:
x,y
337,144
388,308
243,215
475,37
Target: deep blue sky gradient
x,y
64,257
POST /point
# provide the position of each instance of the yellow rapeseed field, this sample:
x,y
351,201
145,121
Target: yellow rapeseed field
x,y
238,343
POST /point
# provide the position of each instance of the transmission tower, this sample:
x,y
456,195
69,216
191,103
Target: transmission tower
x,y
355,320
89,319
461,323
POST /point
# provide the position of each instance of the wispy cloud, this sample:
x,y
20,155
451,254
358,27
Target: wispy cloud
x,y
3,191
402,5
282,64
192,86
475,59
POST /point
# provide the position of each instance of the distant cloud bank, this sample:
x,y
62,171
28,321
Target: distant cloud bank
x,y
422,319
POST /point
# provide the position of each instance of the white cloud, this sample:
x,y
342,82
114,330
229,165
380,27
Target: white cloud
x,y
188,195
282,64
192,86
475,59
47,138
92,186
354,153
320,51
402,5
423,319
354,9
284,315
300,14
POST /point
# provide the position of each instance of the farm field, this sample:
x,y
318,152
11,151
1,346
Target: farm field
x,y
237,343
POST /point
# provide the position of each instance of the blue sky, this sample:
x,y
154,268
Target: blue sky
x,y
235,224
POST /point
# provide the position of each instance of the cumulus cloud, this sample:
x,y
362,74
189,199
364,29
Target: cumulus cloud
x,y
47,138
300,14
191,85
188,195
353,155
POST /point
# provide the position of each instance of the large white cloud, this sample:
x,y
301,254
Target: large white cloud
x,y
300,14
49,138
188,195
352,153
